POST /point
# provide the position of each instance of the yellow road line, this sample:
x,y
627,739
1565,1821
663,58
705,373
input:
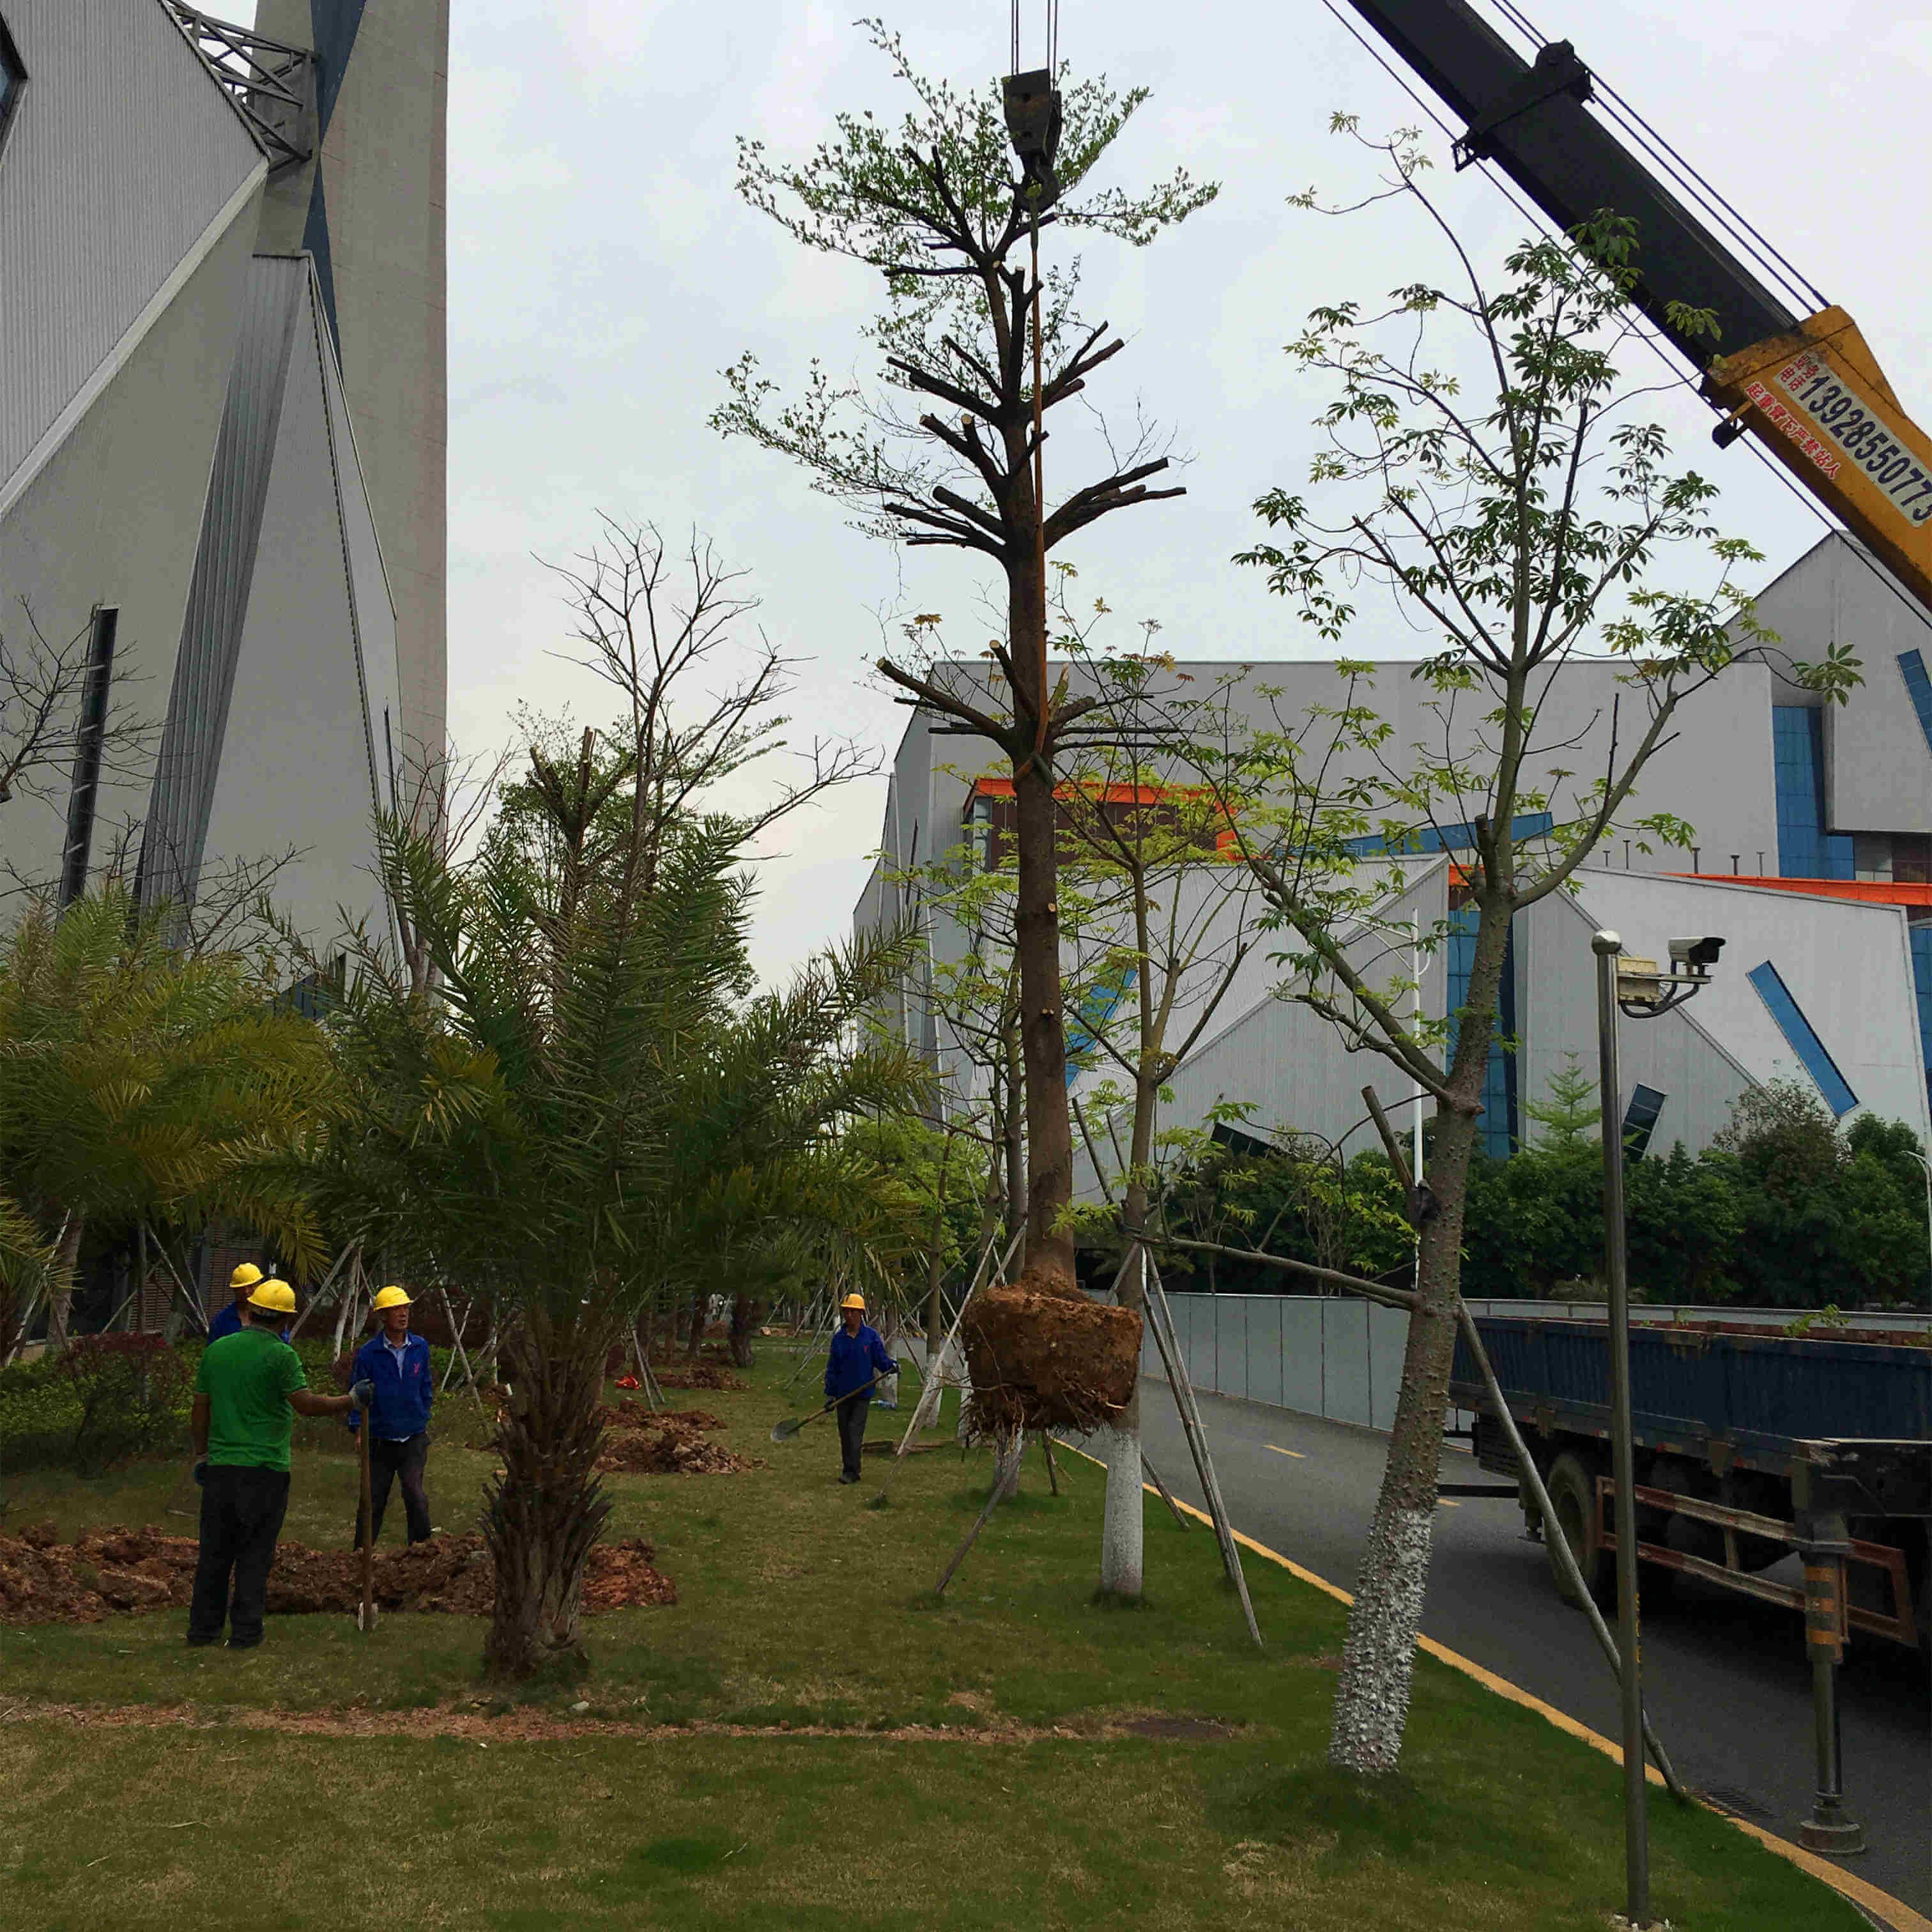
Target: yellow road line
x,y
1280,1451
1900,1916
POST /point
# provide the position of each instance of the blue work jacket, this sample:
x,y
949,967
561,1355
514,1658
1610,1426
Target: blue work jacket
x,y
855,1361
403,1395
228,1321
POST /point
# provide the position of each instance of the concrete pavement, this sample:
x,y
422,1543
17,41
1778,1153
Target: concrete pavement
x,y
1726,1679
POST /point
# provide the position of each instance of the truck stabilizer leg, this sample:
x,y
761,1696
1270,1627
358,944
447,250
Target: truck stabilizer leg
x,y
1828,1829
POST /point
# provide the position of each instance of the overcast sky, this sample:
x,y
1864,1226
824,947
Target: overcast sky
x,y
602,272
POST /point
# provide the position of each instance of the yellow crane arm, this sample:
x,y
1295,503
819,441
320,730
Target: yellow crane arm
x,y
1818,400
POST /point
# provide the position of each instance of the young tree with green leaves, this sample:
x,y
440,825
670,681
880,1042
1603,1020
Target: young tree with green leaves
x,y
1482,465
584,1111
977,345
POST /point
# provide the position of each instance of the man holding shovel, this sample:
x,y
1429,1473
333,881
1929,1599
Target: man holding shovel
x,y
858,1360
395,1364
250,1390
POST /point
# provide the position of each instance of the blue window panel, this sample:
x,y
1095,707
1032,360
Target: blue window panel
x,y
1100,1005
1803,1040
1805,849
1921,937
1920,686
1640,1119
1499,1128
1460,838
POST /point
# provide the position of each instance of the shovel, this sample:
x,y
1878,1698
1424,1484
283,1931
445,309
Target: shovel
x,y
365,1611
784,1432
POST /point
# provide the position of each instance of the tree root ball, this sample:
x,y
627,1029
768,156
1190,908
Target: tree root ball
x,y
1043,1356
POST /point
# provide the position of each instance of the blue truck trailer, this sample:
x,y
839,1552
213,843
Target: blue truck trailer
x,y
1751,1445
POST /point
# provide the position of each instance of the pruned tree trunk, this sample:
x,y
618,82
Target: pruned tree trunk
x,y
700,1307
60,1287
1007,1460
1378,1655
542,1515
1012,1133
935,1306
1123,1552
745,1312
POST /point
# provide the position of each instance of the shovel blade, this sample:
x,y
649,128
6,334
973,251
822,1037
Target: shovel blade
x,y
784,1432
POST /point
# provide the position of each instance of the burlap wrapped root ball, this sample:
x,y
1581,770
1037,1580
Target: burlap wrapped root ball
x,y
1043,1356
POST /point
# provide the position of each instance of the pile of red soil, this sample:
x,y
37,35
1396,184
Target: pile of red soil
x,y
107,1570
697,1375
1043,1356
670,1443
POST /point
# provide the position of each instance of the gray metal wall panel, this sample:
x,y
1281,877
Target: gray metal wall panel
x,y
1198,1342
1301,1354
1345,1361
1264,1327
1230,1344
224,569
1388,1338
122,152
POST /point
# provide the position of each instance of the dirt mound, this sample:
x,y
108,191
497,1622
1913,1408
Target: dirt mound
x,y
111,1570
1042,1360
669,1444
629,1415
697,1375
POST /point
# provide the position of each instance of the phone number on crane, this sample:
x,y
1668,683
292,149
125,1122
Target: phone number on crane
x,y
1807,385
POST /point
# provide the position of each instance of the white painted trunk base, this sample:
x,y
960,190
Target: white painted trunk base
x,y
1121,1554
1378,1657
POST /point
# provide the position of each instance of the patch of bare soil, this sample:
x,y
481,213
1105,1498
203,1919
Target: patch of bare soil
x,y
686,1375
117,1569
672,1444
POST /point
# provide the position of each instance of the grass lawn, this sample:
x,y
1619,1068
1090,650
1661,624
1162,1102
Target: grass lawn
x,y
984,1772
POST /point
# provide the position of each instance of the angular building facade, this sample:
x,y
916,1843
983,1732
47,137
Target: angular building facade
x,y
186,472
1813,859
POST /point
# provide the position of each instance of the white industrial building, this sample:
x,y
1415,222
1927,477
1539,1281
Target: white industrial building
x,y
1812,859
241,515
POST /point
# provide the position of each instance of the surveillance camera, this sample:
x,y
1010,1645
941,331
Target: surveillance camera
x,y
1698,955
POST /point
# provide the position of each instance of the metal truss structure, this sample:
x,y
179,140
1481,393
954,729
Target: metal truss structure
x,y
272,84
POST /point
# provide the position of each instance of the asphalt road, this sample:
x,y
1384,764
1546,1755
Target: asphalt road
x,y
1726,1679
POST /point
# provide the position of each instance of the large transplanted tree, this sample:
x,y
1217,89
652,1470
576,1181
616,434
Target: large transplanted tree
x,y
977,346
1483,466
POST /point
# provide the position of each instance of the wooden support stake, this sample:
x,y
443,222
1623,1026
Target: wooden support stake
x,y
1197,1434
1166,1496
973,1534
1046,1449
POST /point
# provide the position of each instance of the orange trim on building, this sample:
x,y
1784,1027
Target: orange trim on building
x,y
1115,794
1870,892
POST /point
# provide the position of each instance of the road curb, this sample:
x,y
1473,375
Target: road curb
x,y
1894,1914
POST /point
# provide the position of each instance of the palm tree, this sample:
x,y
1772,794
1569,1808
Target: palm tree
x,y
583,1116
142,1082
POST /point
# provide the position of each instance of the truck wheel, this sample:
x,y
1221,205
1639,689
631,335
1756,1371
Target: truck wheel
x,y
1573,1497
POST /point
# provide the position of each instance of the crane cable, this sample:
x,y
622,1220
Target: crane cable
x,y
1672,361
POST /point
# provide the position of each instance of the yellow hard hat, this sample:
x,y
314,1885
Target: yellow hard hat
x,y
390,1297
274,1297
857,1301
246,1276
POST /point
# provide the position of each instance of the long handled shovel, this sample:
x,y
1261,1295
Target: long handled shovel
x,y
784,1432
365,1611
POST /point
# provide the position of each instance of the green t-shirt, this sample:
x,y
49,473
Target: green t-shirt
x,y
247,1378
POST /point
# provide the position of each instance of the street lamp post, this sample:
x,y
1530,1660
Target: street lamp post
x,y
1634,987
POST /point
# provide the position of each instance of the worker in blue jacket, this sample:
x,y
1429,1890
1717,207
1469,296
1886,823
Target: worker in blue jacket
x,y
241,1284
857,1360
393,1365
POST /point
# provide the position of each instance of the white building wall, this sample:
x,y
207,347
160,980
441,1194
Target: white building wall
x,y
296,770
125,166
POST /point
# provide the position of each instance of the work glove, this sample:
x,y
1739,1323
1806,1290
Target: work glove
x,y
199,1471
363,1393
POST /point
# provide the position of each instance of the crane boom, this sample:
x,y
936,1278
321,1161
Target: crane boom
x,y
1808,387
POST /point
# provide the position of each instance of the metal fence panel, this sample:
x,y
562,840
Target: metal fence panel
x,y
1230,1344
1388,1338
1264,1324
1301,1353
1345,1358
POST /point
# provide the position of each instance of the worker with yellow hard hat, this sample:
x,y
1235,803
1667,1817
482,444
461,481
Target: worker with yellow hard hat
x,y
858,1360
393,1366
248,1391
241,1284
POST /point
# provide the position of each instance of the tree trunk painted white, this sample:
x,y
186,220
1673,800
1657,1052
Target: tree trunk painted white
x,y
1006,1464
1379,1657
1121,1551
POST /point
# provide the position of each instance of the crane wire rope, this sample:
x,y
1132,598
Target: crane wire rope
x,y
1674,164
1672,362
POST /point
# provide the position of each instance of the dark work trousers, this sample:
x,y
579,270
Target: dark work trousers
x,y
852,1430
241,1512
387,1461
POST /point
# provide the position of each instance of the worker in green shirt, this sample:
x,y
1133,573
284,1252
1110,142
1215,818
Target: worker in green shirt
x,y
249,1391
